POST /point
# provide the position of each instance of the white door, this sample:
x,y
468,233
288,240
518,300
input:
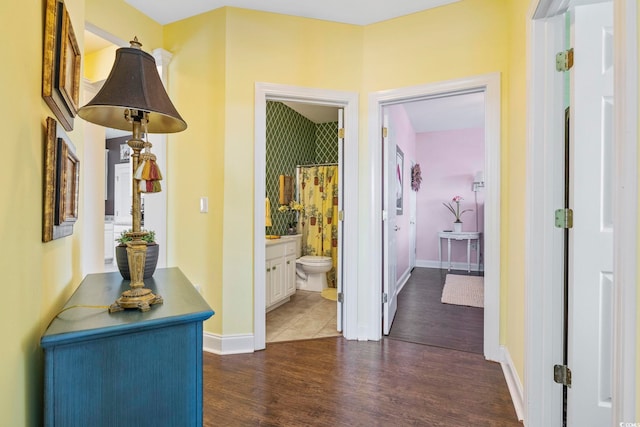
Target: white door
x,y
339,272
389,226
412,226
589,351
122,193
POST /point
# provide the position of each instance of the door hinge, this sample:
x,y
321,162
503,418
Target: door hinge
x,y
564,218
564,60
385,298
385,132
340,297
340,215
562,375
341,133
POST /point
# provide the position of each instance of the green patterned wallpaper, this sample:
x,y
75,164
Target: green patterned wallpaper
x,y
293,140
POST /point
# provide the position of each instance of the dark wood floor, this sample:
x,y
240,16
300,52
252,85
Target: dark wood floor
x,y
335,382
422,318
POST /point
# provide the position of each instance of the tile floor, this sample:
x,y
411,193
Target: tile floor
x,y
307,315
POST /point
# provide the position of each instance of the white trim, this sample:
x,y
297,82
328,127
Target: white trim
x,y
349,102
402,281
513,382
626,209
490,84
543,309
227,344
543,270
443,265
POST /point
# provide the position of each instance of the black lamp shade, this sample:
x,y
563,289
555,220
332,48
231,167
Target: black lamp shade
x,y
134,83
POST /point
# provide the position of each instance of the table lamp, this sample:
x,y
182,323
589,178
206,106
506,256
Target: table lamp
x,y
133,98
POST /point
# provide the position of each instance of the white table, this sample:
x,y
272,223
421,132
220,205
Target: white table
x,y
463,235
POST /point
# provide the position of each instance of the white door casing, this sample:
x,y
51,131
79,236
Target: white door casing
x,y
339,276
122,193
590,334
349,247
490,84
389,225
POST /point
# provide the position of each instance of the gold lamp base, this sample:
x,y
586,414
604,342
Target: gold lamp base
x,y
138,296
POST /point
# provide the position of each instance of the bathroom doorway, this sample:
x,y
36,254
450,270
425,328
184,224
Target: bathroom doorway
x,y
279,109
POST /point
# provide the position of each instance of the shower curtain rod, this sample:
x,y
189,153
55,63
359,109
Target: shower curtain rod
x,y
319,164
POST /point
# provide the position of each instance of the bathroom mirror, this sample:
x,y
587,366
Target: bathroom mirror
x,y
286,189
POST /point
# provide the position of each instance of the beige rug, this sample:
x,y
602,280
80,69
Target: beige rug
x,y
463,290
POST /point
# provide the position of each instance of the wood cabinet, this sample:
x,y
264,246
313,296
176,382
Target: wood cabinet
x,y
280,281
127,368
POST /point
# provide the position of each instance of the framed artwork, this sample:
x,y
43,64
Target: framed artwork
x,y
399,179
286,189
61,64
125,152
61,183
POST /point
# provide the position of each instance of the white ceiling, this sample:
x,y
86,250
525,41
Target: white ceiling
x,y
358,12
448,113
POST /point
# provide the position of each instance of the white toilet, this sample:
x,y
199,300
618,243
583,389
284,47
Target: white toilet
x,y
311,272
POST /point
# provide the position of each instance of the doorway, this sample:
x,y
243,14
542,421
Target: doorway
x,y
347,296
445,136
490,85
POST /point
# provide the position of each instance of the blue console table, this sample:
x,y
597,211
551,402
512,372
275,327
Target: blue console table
x,y
129,368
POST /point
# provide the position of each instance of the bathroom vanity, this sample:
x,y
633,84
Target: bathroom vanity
x,y
280,257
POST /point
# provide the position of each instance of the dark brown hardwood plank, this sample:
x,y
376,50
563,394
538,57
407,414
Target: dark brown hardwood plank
x,y
335,382
422,318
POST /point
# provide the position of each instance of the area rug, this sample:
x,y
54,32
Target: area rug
x,y
463,290
330,293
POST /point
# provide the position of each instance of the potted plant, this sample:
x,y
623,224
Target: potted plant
x,y
151,259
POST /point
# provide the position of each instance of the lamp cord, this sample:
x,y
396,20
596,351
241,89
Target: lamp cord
x,y
77,306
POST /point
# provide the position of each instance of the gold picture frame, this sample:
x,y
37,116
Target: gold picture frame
x,y
61,64
61,183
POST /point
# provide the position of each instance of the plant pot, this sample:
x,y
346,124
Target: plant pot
x,y
457,227
151,260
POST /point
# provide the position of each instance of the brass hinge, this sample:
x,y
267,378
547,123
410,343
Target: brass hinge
x,y
564,218
340,297
385,298
385,132
341,133
562,375
340,215
564,60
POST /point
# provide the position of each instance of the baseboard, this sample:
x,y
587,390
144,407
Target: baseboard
x,y
454,265
513,382
227,344
403,281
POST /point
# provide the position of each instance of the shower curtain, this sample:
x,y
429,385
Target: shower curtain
x,y
319,222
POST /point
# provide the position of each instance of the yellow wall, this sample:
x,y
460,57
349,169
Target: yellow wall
x,y
37,277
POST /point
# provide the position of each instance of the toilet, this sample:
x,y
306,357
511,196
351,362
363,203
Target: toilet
x,y
311,272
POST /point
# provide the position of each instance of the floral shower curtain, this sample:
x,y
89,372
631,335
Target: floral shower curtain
x,y
319,222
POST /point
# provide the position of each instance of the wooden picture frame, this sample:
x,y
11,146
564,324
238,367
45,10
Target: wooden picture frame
x,y
61,64
61,183
286,189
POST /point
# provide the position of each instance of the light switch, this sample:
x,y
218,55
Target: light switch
x,y
204,204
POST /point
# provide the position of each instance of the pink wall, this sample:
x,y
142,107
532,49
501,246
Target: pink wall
x,y
402,132
449,161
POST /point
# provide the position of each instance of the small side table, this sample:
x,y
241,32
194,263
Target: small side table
x,y
463,235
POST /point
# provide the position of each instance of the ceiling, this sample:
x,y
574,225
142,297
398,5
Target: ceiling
x,y
357,12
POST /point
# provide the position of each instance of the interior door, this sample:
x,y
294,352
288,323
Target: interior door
x,y
389,226
339,273
122,193
590,311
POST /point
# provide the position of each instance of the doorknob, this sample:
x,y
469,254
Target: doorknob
x,y
396,228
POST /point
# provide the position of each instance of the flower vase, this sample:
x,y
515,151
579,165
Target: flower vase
x,y
457,227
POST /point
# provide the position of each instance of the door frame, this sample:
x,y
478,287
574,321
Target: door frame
x,y
545,180
348,101
490,85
